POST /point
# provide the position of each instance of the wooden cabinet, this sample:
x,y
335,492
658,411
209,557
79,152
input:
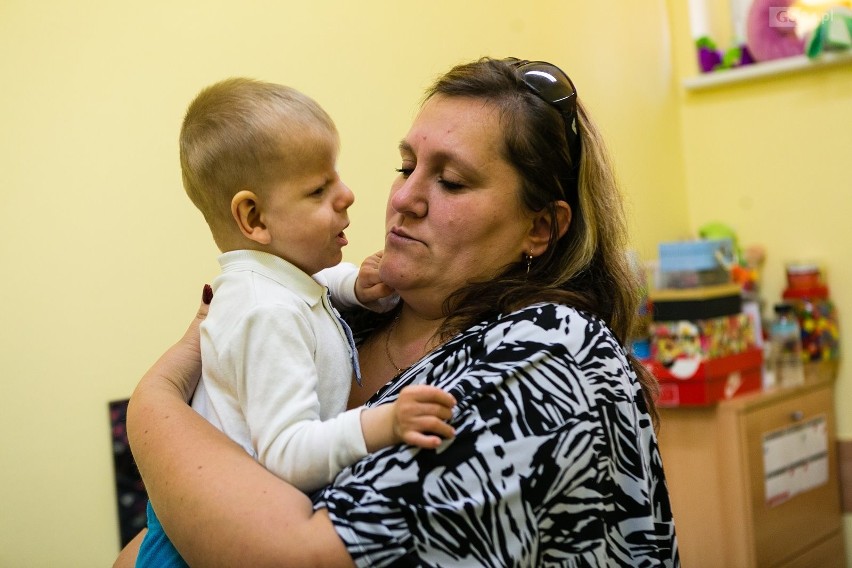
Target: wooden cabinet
x,y
714,461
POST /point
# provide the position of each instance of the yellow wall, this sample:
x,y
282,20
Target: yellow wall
x,y
770,158
104,257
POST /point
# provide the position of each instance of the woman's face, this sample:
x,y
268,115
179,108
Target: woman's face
x,y
454,213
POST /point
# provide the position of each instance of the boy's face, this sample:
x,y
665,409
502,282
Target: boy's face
x,y
305,213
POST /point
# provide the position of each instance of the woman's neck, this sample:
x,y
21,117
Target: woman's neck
x,y
413,334
409,337
394,348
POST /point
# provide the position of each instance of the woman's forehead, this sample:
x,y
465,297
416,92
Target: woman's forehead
x,y
456,126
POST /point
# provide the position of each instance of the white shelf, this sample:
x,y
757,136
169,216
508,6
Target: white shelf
x,y
786,66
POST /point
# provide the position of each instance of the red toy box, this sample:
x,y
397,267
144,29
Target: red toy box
x,y
701,382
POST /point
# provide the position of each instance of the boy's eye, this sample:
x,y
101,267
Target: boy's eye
x,y
318,191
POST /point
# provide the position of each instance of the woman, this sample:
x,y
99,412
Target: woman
x,y
505,241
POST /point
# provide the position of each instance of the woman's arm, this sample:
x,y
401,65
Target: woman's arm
x,y
218,506
127,556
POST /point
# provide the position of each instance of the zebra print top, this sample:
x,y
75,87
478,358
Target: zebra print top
x,y
555,461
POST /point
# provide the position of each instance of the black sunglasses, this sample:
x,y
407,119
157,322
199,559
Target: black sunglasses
x,y
552,85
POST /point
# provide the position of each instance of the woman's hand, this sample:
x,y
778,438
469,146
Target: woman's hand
x,y
180,366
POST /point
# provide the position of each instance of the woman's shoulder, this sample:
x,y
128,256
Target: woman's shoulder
x,y
546,313
548,334
551,321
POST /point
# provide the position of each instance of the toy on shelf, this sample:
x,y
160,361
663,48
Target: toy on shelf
x,y
833,33
771,30
817,316
710,58
747,263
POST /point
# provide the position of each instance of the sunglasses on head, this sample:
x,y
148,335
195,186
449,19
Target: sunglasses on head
x,y
549,83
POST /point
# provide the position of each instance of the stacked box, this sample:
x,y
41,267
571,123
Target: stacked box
x,y
702,302
702,382
705,338
689,264
703,347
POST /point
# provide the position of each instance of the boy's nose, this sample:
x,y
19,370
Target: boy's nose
x,y
347,197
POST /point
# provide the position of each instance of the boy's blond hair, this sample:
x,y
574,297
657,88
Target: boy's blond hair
x,y
245,134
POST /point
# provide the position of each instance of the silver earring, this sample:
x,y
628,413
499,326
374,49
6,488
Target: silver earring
x,y
529,262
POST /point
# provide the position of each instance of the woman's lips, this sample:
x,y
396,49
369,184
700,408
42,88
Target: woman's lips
x,y
400,235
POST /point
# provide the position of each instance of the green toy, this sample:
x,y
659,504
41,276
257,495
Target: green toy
x,y
746,264
834,33
717,230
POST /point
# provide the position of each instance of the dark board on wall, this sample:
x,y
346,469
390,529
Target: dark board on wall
x,y
130,494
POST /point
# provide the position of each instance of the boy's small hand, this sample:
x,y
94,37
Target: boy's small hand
x,y
369,287
420,416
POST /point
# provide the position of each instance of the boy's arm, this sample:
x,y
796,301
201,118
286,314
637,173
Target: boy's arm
x,y
277,385
281,406
417,417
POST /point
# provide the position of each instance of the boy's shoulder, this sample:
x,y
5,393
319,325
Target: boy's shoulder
x,y
252,288
245,295
262,278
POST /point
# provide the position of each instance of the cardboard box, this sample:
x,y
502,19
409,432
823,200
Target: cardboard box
x,y
702,382
687,264
700,254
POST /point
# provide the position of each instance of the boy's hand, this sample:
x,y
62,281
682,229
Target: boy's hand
x,y
369,287
420,416
417,417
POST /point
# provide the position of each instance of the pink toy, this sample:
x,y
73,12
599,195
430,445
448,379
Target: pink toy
x,y
772,31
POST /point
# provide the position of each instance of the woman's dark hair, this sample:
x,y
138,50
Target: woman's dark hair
x,y
588,267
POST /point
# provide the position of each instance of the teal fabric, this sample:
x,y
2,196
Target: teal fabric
x,y
157,551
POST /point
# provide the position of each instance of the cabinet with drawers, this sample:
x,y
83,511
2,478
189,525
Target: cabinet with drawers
x,y
725,512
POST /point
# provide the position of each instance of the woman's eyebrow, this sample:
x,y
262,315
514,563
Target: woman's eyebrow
x,y
445,155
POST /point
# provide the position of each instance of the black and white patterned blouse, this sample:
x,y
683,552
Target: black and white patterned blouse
x,y
555,461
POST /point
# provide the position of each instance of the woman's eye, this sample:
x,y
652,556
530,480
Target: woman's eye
x,y
404,172
450,185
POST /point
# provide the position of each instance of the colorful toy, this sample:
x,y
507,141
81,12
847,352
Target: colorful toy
x,y
834,33
817,315
710,58
771,30
745,270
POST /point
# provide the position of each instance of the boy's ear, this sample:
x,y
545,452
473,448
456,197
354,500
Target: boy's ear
x,y
245,208
539,235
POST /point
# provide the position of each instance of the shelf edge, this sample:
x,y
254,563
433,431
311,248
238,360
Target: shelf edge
x,y
777,67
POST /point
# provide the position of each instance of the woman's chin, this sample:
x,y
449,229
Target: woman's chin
x,y
395,275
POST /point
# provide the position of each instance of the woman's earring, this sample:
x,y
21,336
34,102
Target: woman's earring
x,y
529,262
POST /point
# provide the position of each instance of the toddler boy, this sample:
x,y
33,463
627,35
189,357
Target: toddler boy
x,y
259,161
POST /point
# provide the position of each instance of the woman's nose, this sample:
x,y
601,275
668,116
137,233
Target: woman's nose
x,y
409,196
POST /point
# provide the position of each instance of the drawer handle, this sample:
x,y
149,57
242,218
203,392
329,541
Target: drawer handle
x,y
797,415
